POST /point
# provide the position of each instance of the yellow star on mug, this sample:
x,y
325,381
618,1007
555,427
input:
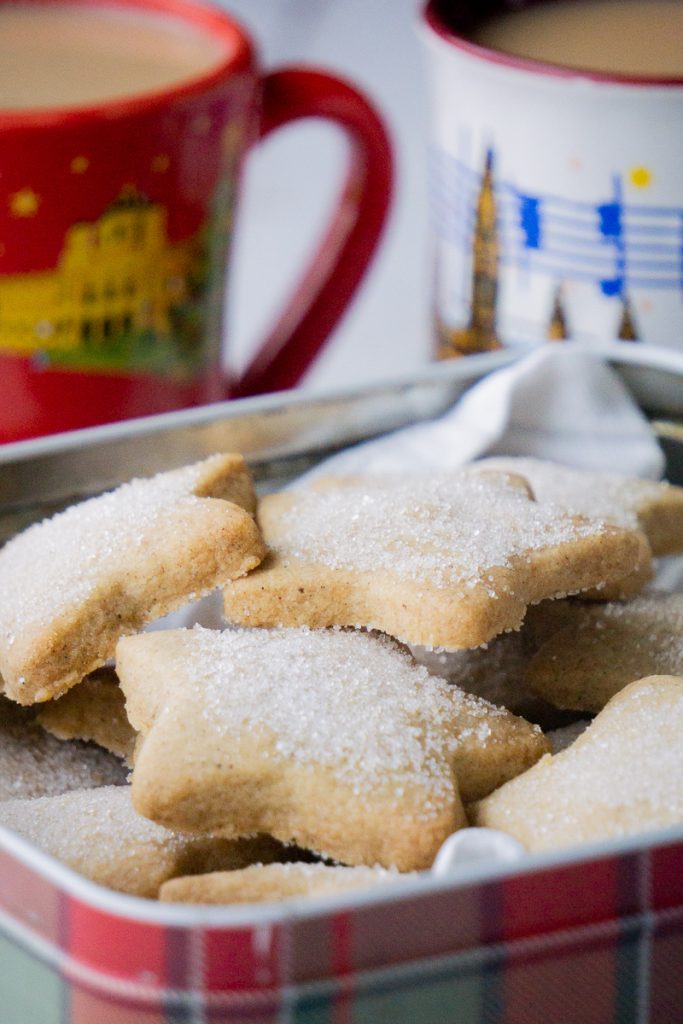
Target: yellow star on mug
x,y
24,203
641,177
79,165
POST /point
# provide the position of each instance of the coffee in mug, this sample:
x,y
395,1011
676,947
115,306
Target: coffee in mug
x,y
556,172
65,55
626,37
124,127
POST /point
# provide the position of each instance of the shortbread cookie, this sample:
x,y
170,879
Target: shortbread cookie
x,y
544,620
73,584
497,671
34,764
605,647
441,560
334,740
261,883
94,710
655,507
97,833
622,775
494,671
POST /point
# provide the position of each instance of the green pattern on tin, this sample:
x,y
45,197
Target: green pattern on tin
x,y
32,992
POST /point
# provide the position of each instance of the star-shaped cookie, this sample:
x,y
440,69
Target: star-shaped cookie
x,y
621,775
97,833
35,764
73,584
445,561
261,883
602,648
335,740
656,507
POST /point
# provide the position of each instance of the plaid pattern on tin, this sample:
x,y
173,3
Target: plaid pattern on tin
x,y
592,941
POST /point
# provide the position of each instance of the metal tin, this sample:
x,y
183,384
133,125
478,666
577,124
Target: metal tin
x,y
589,934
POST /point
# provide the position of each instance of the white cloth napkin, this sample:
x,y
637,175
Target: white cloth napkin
x,y
559,403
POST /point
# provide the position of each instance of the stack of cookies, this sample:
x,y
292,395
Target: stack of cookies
x,y
396,656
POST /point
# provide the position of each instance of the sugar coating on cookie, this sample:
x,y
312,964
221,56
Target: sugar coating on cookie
x,y
35,764
621,776
335,740
260,883
603,648
438,529
73,584
655,506
447,560
97,833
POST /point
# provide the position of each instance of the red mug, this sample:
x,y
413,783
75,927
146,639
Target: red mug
x,y
115,220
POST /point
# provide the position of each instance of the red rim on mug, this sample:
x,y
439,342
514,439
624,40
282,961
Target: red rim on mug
x,y
115,226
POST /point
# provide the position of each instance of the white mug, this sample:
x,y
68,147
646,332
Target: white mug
x,y
558,196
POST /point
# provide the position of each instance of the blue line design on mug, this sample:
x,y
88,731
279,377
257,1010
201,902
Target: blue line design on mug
x,y
614,245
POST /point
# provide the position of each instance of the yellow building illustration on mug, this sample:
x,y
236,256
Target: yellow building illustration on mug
x,y
115,277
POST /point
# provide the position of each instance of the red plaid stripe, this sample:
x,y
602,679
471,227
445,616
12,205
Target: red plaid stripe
x,y
566,897
667,876
600,940
665,977
121,947
31,899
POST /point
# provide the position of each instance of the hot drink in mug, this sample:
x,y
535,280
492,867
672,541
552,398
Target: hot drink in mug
x,y
558,195
66,55
124,126
617,37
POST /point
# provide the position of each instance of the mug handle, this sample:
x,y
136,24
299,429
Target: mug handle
x,y
351,238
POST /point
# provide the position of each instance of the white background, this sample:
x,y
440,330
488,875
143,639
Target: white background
x,y
292,177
